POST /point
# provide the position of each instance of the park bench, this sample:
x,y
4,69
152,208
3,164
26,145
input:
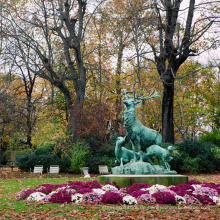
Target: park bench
x,y
103,169
54,169
38,169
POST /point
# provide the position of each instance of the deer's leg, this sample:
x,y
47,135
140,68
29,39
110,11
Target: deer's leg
x,y
133,148
139,149
166,164
148,158
159,161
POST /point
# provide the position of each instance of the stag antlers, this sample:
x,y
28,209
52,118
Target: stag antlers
x,y
152,95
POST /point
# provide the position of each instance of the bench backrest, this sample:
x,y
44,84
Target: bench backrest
x,y
54,169
103,169
38,169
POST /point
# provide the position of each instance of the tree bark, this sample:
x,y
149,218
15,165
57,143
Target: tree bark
x,y
167,113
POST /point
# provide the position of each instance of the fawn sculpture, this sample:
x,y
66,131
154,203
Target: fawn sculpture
x,y
136,132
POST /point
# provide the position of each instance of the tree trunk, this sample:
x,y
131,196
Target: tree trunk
x,y
167,113
29,123
118,85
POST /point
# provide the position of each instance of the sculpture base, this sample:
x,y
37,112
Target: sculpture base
x,y
127,180
141,168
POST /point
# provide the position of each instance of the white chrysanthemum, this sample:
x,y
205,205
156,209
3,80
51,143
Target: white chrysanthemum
x,y
108,186
145,189
77,198
156,188
61,188
37,196
216,200
196,186
47,197
129,200
180,199
100,191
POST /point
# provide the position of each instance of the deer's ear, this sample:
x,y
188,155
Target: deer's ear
x,y
116,136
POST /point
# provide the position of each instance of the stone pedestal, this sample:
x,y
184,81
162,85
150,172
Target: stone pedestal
x,y
126,180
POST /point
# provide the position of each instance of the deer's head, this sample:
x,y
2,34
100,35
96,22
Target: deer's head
x,y
130,103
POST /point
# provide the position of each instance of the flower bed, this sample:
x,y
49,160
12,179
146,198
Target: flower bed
x,y
139,193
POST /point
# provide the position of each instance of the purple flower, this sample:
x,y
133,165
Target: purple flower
x,y
111,198
84,190
164,197
204,199
146,198
60,197
48,188
194,182
138,193
206,191
24,193
191,200
137,186
93,184
213,186
182,189
93,198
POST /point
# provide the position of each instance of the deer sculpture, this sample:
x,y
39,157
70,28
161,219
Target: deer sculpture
x,y
136,132
122,154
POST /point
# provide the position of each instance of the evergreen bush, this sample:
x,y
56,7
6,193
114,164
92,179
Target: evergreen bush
x,y
79,155
212,137
44,157
198,157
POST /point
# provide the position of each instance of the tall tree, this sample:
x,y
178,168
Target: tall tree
x,y
171,39
54,30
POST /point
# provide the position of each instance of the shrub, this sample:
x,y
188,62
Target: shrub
x,y
191,165
197,156
43,157
112,198
79,154
101,153
212,137
176,164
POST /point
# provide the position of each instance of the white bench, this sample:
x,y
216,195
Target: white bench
x,y
38,169
54,169
103,169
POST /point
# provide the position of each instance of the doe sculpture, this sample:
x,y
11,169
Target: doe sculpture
x,y
122,154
